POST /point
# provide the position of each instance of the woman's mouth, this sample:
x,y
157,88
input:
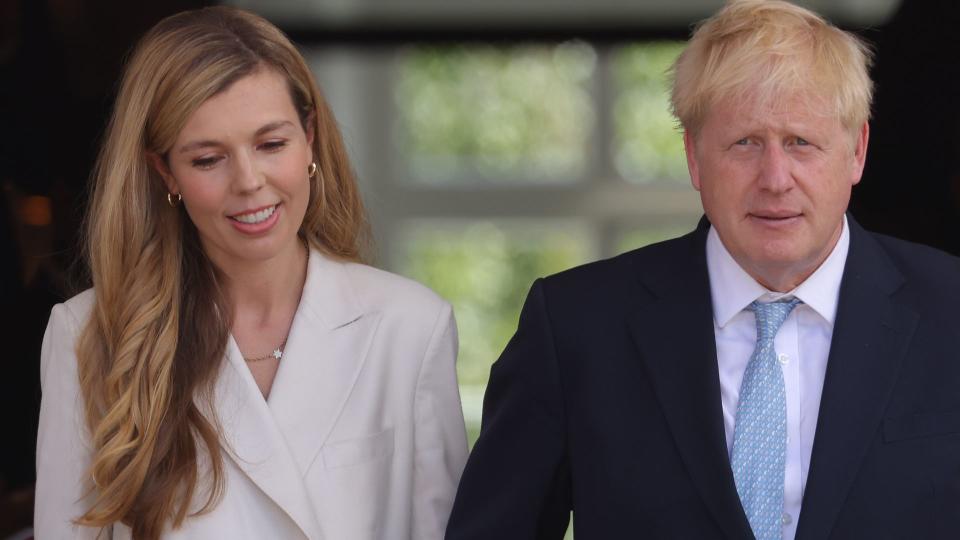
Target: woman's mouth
x,y
257,221
255,216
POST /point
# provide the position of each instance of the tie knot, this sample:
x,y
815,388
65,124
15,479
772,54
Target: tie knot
x,y
770,317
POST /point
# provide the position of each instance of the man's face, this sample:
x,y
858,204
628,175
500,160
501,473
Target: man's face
x,y
774,182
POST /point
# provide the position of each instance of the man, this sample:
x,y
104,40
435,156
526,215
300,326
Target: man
x,y
779,373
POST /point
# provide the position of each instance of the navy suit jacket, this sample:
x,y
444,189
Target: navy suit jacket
x,y
606,402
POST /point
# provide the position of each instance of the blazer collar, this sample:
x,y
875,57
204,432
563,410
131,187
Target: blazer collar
x,y
328,344
870,339
275,442
673,331
329,295
253,440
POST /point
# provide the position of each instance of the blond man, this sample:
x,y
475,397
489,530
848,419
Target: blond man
x,y
779,373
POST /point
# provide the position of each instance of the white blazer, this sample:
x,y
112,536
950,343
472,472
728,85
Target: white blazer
x,y
362,435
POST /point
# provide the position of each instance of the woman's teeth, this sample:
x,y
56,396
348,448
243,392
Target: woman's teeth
x,y
256,217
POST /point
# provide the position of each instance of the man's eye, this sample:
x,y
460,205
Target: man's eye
x,y
802,142
743,142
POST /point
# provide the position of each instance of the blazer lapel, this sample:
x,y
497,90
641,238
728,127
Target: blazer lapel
x,y
325,354
674,333
252,439
870,338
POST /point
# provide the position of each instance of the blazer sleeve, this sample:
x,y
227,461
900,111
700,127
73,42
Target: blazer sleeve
x,y
63,448
516,482
440,438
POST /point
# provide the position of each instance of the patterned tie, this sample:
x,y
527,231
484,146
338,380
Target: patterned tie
x,y
760,436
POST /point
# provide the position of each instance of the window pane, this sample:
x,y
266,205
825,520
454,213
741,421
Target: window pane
x,y
495,114
485,270
648,145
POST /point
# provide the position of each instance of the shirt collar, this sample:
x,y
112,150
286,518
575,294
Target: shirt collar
x,y
732,289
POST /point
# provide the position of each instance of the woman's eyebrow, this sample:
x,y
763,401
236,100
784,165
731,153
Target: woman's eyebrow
x,y
266,128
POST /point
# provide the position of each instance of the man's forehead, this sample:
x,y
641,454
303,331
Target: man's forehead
x,y
758,107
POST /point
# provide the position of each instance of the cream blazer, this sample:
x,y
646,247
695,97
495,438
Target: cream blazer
x,y
362,435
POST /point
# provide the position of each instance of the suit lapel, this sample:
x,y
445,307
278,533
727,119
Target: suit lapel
x,y
252,439
275,442
325,354
870,338
674,333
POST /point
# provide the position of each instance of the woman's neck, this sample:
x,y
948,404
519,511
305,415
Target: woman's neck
x,y
262,292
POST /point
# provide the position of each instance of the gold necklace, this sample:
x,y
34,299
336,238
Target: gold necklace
x,y
277,353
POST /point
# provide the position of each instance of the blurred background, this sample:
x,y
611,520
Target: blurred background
x,y
495,142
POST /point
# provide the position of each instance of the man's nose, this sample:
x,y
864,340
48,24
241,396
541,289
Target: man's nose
x,y
775,169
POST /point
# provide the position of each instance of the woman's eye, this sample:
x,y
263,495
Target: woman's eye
x,y
273,146
205,162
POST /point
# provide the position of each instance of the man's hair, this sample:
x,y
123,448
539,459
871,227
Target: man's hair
x,y
771,50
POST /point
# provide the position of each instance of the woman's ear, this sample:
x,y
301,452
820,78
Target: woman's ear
x,y
160,165
311,133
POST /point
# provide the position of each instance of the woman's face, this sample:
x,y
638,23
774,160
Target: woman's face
x,y
240,164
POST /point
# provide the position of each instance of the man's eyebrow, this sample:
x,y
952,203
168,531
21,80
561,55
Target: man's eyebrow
x,y
266,128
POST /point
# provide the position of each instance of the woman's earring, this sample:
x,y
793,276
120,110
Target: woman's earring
x,y
312,169
170,200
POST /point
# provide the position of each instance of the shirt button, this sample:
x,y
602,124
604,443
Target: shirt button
x,y
786,518
783,358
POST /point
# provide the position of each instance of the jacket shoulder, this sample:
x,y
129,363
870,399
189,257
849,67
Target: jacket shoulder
x,y
922,264
78,307
628,266
618,281
384,291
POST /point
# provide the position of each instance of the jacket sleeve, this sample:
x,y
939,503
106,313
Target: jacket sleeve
x,y
516,482
63,448
440,436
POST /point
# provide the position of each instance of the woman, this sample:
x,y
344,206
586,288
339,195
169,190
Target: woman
x,y
235,372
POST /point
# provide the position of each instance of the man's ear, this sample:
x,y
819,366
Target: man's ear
x,y
690,150
860,152
160,165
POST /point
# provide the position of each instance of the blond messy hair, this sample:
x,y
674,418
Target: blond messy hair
x,y
771,50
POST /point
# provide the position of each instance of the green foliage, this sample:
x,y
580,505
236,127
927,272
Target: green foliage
x,y
498,113
648,145
521,114
485,270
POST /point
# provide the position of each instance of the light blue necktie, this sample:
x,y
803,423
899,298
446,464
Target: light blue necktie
x,y
760,436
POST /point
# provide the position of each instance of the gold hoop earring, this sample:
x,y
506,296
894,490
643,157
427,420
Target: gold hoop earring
x,y
171,202
311,169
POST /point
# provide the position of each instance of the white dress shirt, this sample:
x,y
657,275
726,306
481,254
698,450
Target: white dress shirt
x,y
802,346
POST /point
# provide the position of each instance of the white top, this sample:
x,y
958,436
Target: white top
x,y
802,345
362,436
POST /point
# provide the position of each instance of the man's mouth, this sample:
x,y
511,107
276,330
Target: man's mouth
x,y
775,216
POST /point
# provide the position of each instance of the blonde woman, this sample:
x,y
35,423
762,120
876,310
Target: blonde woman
x,y
235,371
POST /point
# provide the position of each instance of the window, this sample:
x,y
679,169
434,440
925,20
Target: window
x,y
485,167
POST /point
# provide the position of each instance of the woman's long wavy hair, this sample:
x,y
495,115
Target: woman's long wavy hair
x,y
153,346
